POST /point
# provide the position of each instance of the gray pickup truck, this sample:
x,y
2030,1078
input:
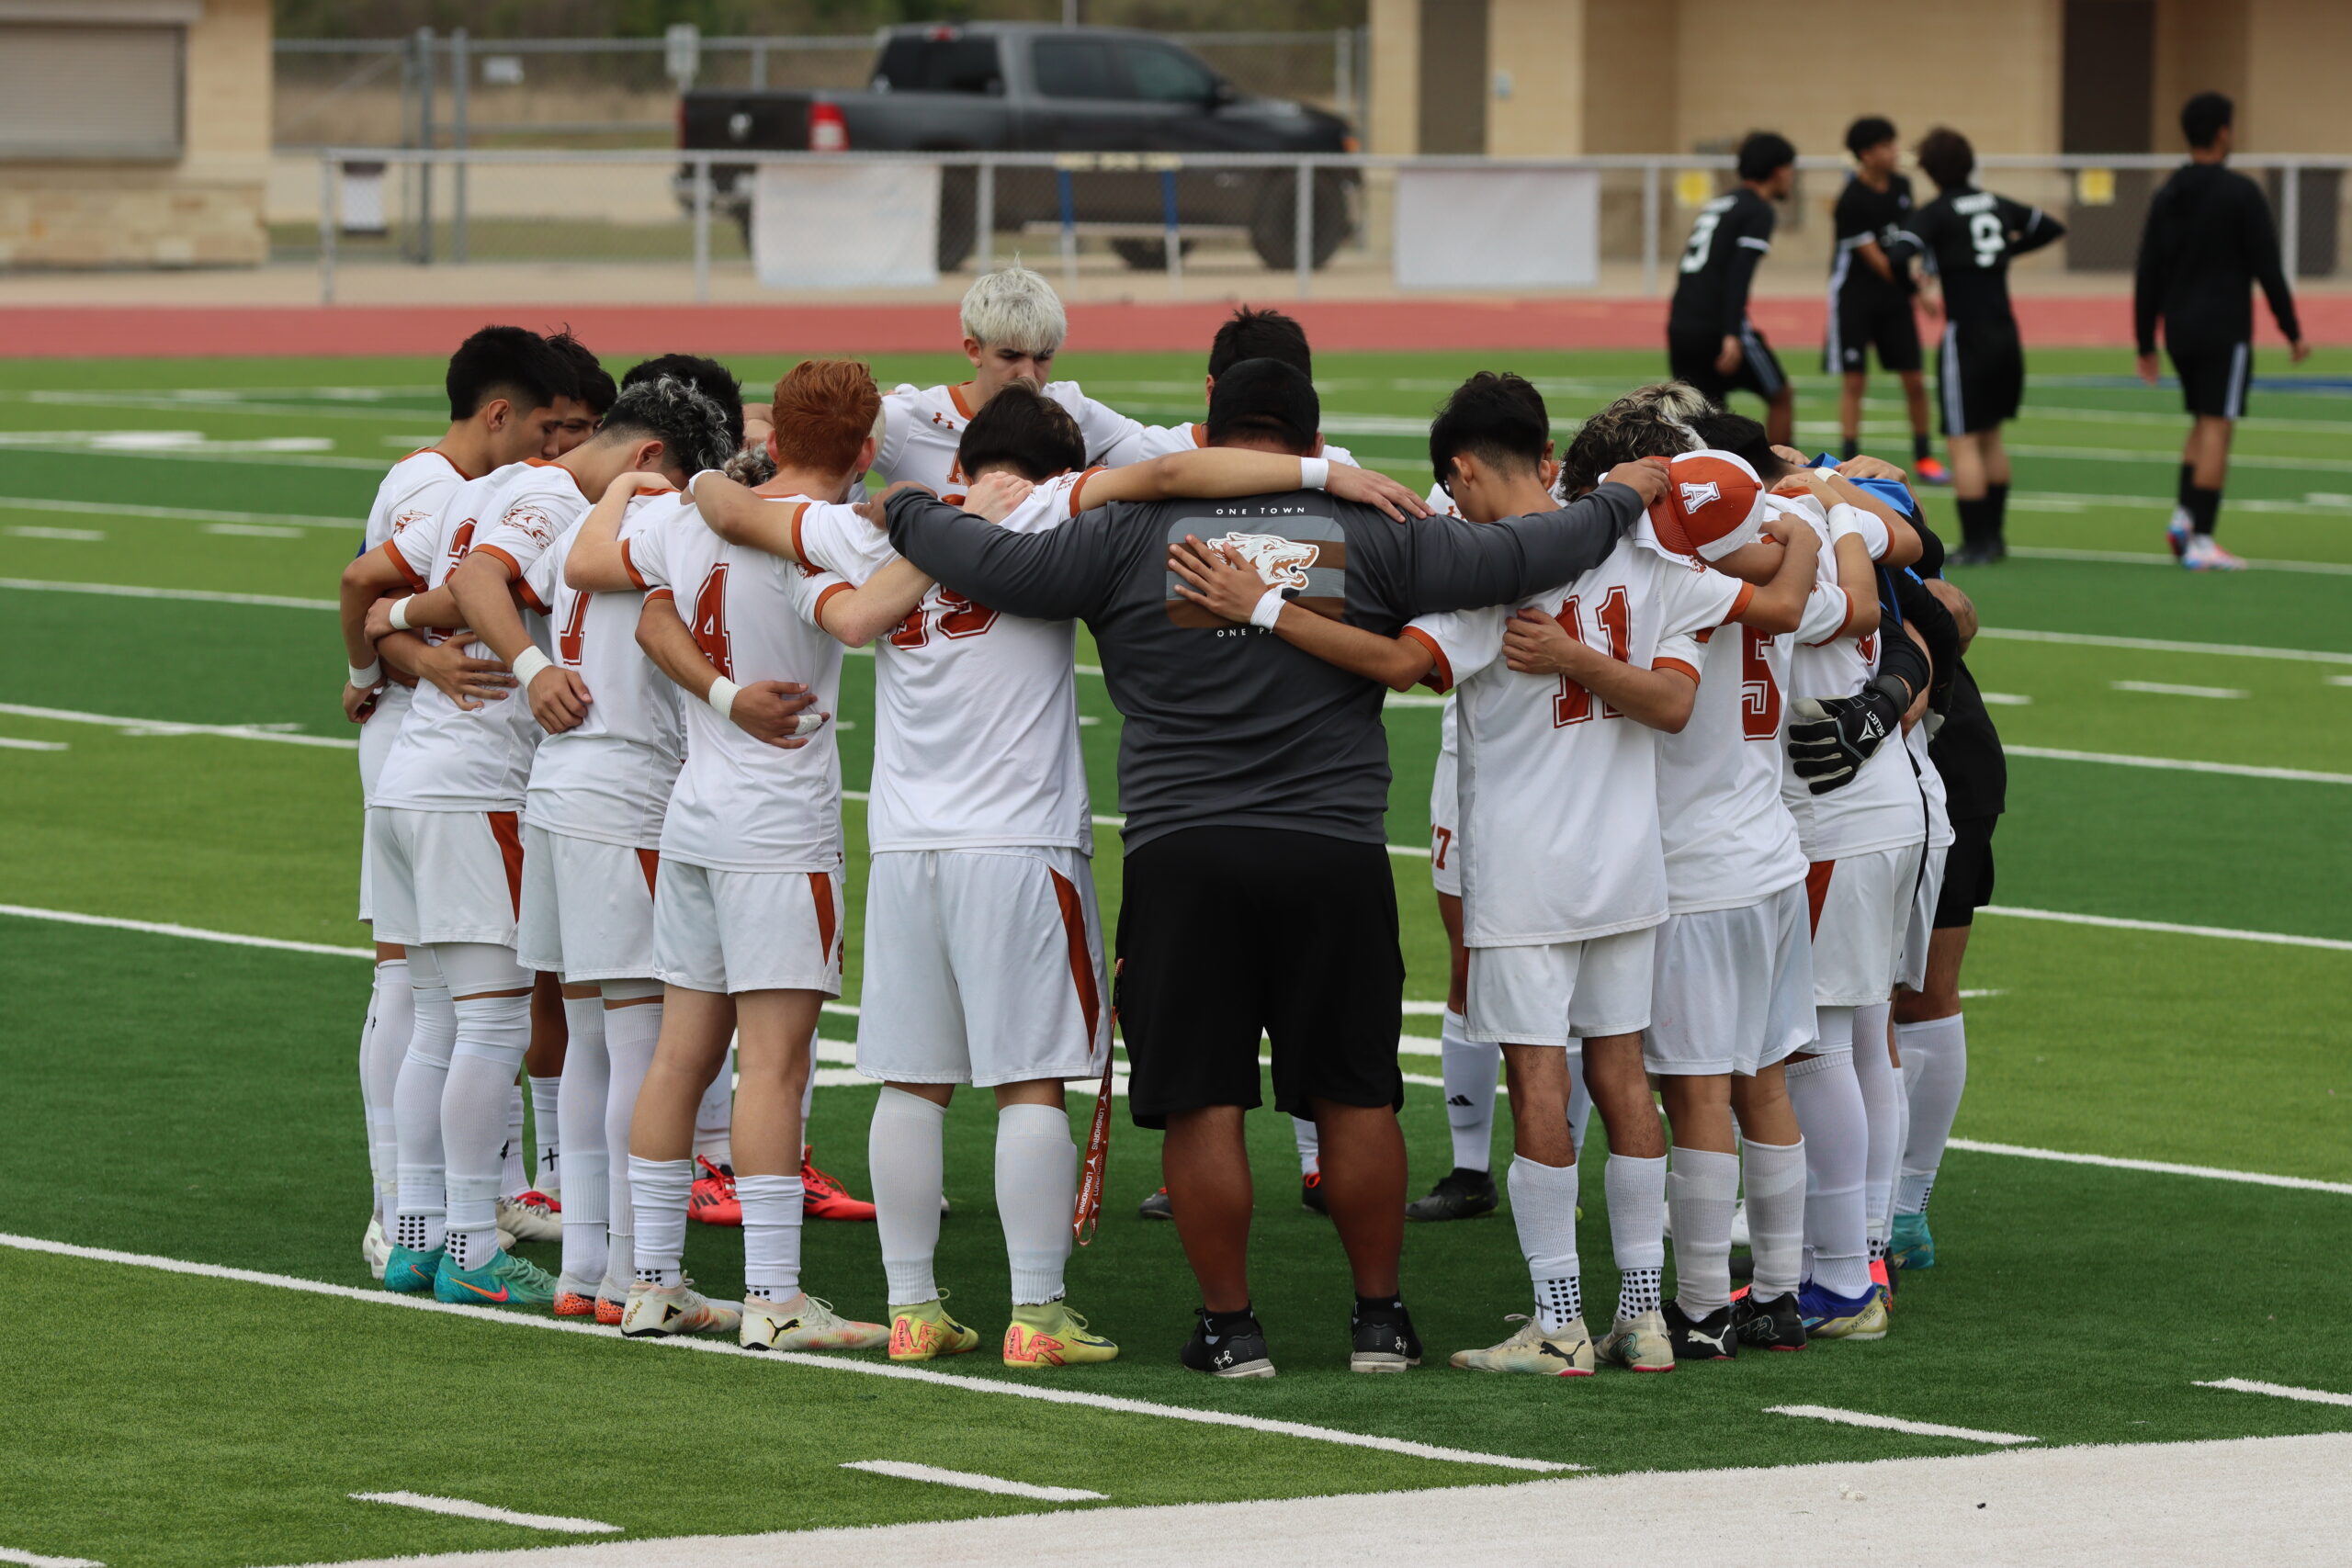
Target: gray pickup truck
x,y
1018,87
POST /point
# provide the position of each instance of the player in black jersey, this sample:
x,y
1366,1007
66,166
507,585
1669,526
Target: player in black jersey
x,y
1969,237
2207,240
1709,341
1871,291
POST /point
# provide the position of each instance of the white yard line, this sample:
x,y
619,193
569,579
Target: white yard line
x,y
174,726
132,591
2179,764
169,514
1048,1395
254,530
14,745
2170,459
1890,1423
217,452
2157,1166
2167,688
192,933
970,1481
2151,558
2005,700
73,536
458,1508
2162,645
35,1559
2167,928
2279,1390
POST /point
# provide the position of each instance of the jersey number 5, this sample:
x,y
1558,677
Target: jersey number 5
x,y
710,620
1573,705
1760,699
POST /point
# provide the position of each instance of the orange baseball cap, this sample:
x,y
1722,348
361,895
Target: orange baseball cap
x,y
1714,503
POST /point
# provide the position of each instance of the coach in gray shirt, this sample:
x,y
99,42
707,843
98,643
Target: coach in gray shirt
x,y
1256,895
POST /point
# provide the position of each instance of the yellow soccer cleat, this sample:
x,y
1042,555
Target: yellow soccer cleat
x,y
1639,1344
659,1312
1050,1335
804,1323
1567,1354
924,1332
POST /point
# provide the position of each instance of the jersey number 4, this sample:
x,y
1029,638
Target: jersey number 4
x,y
1573,705
1759,698
710,620
957,617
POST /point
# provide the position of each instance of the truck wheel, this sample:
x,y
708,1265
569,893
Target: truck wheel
x,y
958,214
1273,217
1147,256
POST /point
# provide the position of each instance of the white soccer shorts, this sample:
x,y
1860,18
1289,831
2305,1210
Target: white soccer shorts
x,y
1860,908
1734,989
982,967
446,875
376,737
1551,993
747,931
587,907
1912,969
1445,839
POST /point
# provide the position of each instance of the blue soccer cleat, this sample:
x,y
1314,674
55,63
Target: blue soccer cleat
x,y
1828,1316
504,1281
411,1272
1911,1246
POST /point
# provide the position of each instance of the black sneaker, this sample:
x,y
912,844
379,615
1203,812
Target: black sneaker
x,y
1980,552
1310,1194
1385,1342
1775,1325
1156,1207
1461,1194
1239,1352
1709,1339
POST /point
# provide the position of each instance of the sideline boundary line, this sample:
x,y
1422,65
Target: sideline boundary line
x,y
174,726
462,1508
2167,928
972,1481
131,590
2278,1390
1891,1424
181,514
1116,1404
2165,645
2177,765
2157,1166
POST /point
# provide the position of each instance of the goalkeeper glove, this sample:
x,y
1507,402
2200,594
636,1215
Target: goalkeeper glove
x,y
1830,740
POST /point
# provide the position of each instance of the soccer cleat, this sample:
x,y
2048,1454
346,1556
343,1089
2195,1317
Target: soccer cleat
x,y
1240,1353
805,1323
824,1198
575,1297
1050,1335
1928,471
1567,1354
1310,1194
712,1199
2176,532
504,1281
661,1312
531,1217
375,1248
1384,1344
1638,1344
411,1272
612,1299
1774,1325
1159,1206
1883,1276
1460,1194
1831,1316
1911,1247
1708,1339
2204,555
1980,552
922,1331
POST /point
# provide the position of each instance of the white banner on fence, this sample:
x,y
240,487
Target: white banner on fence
x,y
856,226
1498,227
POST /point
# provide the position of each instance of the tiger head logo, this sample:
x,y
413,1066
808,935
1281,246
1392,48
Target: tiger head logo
x,y
1279,562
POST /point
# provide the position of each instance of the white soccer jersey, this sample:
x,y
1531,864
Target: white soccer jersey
x,y
1558,790
978,737
415,491
921,427
1880,809
740,804
1159,440
609,777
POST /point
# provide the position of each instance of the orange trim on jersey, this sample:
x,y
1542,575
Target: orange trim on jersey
x,y
1849,621
821,887
1703,636
955,396
1739,605
826,598
437,452
798,554
1200,435
529,596
662,593
1441,674
1678,666
1080,488
1816,889
507,829
636,578
550,463
650,863
1082,954
408,573
513,567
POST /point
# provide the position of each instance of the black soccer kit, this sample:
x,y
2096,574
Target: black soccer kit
x,y
2207,241
1970,236
1866,310
1730,236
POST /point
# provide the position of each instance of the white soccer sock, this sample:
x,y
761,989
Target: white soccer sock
x,y
1775,1178
905,1158
1309,1139
579,1116
392,1018
546,1126
1934,1067
1037,1192
629,1036
513,1176
1701,1189
771,1236
1829,1105
659,1189
1544,1207
1636,1191
715,1117
493,1031
1882,1107
1468,1067
419,1218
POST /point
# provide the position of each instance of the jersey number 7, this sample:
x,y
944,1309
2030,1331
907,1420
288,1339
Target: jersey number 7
x,y
1573,705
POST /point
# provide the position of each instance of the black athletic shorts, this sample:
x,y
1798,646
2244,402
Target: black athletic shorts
x,y
1229,934
2213,376
1968,871
1980,375
1691,356
1858,326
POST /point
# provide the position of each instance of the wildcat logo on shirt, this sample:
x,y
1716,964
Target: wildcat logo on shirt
x,y
1286,546
1279,562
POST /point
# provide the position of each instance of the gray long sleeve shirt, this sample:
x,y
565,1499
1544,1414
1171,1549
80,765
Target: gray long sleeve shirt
x,y
1231,726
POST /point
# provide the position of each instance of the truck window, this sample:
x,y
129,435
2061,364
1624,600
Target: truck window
x,y
1165,75
955,63
1077,68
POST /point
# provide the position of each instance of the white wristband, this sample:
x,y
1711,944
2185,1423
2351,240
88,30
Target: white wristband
x,y
1842,523
399,613
370,675
1267,609
1314,473
527,665
721,697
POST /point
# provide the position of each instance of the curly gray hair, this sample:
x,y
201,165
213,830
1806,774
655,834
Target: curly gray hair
x,y
692,427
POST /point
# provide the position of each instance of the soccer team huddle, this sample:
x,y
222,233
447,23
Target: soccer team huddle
x,y
1712,815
